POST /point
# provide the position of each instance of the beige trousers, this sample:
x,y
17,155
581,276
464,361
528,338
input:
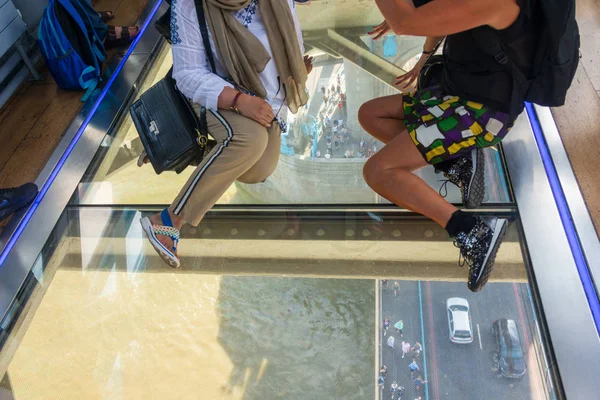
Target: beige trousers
x,y
245,151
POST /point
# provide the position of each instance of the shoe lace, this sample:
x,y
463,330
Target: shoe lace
x,y
463,256
444,187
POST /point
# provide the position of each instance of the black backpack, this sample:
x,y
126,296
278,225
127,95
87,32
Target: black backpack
x,y
555,61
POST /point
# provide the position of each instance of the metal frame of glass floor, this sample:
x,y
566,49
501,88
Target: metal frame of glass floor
x,y
280,296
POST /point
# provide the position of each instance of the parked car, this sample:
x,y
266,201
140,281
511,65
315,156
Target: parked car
x,y
509,357
459,320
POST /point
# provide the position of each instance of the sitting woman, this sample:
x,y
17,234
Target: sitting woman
x,y
259,73
447,125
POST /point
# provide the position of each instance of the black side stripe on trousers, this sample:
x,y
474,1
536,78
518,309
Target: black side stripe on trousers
x,y
201,172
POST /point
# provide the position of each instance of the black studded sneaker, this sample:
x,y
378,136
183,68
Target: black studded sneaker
x,y
467,173
478,249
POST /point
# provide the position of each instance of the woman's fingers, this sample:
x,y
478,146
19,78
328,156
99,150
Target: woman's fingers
x,y
379,35
378,28
270,116
263,120
403,78
380,32
409,82
374,30
405,84
268,119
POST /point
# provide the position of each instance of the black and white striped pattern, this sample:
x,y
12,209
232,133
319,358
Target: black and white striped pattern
x,y
208,163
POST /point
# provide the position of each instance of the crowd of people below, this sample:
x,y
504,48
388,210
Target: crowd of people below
x,y
340,143
408,351
335,96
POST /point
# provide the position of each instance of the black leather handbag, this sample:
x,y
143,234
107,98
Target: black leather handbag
x,y
171,132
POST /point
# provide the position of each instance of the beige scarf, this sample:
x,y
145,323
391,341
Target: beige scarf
x,y
244,55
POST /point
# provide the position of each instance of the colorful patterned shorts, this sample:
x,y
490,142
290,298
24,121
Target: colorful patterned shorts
x,y
445,127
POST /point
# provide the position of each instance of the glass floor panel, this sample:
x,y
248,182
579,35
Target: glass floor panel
x,y
271,306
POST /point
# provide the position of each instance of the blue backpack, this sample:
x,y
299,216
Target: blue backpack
x,y
71,45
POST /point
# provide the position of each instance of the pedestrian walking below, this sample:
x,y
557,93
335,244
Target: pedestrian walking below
x,y
405,348
399,326
393,389
417,349
390,342
414,368
386,325
419,382
400,392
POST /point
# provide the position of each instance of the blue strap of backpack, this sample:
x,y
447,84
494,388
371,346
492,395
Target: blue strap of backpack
x,y
88,84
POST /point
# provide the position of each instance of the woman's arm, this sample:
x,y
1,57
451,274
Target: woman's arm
x,y
190,67
431,43
194,77
407,80
445,17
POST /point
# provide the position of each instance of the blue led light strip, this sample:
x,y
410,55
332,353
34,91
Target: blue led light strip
x,y
36,202
565,216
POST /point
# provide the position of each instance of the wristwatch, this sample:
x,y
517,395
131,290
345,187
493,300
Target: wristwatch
x,y
234,103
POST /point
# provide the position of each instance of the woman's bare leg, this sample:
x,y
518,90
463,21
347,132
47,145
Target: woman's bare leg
x,y
390,173
383,117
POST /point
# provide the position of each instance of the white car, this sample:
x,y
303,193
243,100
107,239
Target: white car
x,y
459,320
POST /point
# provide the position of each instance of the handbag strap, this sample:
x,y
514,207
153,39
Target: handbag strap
x,y
204,34
208,50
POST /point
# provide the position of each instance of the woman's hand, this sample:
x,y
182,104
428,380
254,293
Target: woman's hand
x,y
256,108
308,64
380,30
406,80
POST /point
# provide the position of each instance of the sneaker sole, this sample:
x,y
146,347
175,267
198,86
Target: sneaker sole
x,y
490,257
476,191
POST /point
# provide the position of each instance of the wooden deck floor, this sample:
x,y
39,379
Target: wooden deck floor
x,y
578,120
33,121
